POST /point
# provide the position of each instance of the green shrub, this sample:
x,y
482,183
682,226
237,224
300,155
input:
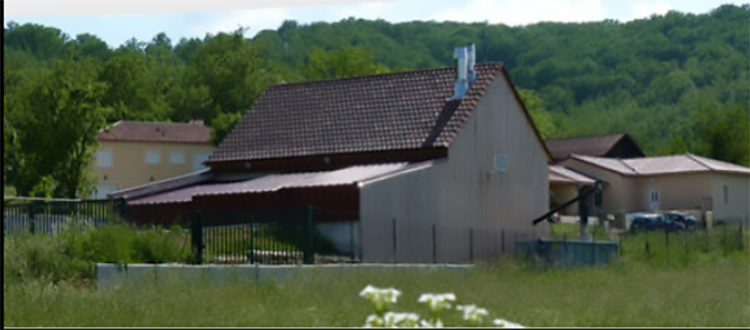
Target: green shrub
x,y
72,254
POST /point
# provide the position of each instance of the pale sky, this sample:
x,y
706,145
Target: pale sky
x,y
108,19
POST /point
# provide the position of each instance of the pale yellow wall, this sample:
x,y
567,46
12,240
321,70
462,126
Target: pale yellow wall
x,y
737,207
464,192
618,194
129,168
564,193
683,191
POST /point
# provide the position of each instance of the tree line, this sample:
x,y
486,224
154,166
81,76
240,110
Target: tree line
x,y
676,83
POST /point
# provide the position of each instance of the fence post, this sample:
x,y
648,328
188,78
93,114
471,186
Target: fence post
x,y
502,242
393,232
434,245
741,242
725,238
309,253
31,211
252,239
196,231
648,248
666,244
471,245
351,239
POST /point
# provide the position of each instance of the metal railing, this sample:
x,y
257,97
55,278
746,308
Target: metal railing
x,y
271,236
33,216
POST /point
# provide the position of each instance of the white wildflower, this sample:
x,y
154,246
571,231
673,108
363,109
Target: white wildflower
x,y
373,321
506,324
380,296
392,319
437,302
428,324
472,313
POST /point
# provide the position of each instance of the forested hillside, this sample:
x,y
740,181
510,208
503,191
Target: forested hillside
x,y
675,83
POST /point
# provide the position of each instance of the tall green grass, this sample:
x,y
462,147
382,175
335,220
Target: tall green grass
x,y
711,294
72,253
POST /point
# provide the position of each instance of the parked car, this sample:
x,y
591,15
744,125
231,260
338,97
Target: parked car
x,y
651,221
687,220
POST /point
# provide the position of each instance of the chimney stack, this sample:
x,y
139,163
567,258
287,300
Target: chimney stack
x,y
460,55
472,60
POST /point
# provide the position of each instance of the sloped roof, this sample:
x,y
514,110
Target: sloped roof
x,y
274,182
125,130
596,145
684,163
561,174
385,112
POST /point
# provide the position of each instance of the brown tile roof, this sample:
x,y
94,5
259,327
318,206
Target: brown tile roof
x,y
192,132
597,145
386,112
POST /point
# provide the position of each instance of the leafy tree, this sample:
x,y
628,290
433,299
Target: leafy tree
x,y
340,63
542,119
57,131
222,125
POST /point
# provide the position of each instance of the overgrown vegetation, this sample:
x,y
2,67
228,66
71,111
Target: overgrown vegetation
x,y
71,254
676,83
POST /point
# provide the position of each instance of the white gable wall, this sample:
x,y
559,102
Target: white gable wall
x,y
463,197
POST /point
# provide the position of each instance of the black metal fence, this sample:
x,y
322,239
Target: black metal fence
x,y
667,246
34,216
270,236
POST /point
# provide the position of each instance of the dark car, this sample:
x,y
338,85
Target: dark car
x,y
688,221
649,221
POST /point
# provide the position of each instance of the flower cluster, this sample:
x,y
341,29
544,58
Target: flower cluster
x,y
437,302
473,314
381,298
391,320
506,324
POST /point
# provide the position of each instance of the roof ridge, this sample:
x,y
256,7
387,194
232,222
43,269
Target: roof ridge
x,y
588,136
627,165
496,64
695,159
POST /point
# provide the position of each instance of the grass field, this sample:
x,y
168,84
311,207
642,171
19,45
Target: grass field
x,y
711,288
713,293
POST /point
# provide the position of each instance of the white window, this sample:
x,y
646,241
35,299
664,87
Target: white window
x,y
152,157
726,194
103,189
198,159
177,157
104,158
500,162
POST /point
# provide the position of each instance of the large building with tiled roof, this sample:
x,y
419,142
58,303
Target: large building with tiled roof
x,y
420,166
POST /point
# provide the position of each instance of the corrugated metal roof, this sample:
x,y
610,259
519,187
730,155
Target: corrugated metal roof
x,y
664,165
556,178
612,164
273,182
719,166
562,174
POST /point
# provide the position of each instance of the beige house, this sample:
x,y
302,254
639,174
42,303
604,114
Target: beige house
x,y
412,166
678,182
134,153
